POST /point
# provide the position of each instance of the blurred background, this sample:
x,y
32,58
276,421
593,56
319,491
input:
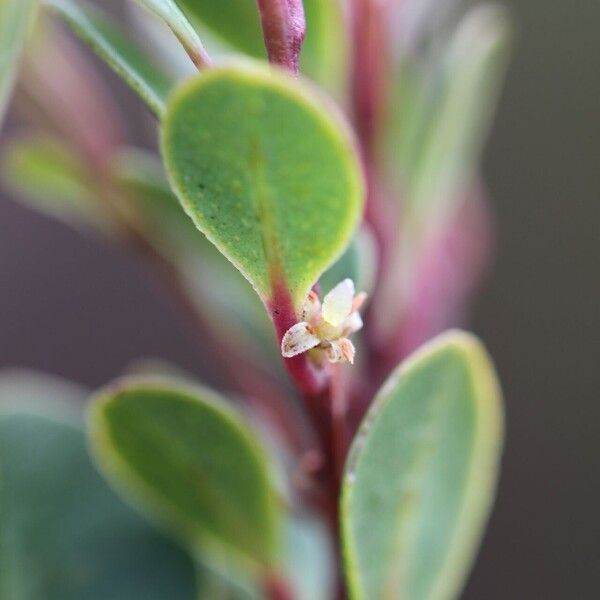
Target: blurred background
x,y
82,309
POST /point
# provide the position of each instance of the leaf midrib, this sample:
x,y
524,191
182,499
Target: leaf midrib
x,y
227,512
266,210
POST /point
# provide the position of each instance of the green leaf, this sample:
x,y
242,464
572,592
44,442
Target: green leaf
x,y
309,559
184,456
140,175
234,21
265,172
421,474
237,23
15,19
48,177
64,535
326,49
169,12
111,45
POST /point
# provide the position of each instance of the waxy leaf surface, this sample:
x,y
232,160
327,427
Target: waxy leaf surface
x,y
421,474
266,172
64,535
112,46
181,454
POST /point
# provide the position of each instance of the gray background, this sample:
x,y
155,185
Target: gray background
x,y
79,308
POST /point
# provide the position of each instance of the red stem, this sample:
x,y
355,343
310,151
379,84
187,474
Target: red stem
x,y
284,28
276,588
309,379
325,406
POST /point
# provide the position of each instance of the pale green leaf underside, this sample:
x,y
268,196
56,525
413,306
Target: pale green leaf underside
x,y
183,456
126,59
15,19
421,475
265,171
64,535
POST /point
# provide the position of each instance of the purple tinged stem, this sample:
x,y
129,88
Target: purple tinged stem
x,y
284,28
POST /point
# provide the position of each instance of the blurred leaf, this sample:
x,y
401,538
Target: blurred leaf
x,y
15,19
112,45
476,63
310,560
156,35
421,474
359,263
212,281
141,176
169,12
449,270
265,172
182,454
456,109
64,535
237,22
48,177
326,47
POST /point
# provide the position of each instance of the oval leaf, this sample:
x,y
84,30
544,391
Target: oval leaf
x,y
110,44
421,474
187,459
64,534
15,18
265,172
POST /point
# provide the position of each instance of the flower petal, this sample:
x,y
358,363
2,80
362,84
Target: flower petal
x,y
348,350
334,352
298,339
352,323
341,350
338,303
359,300
311,308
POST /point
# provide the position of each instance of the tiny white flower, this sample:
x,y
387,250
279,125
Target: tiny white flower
x,y
327,327
298,339
337,305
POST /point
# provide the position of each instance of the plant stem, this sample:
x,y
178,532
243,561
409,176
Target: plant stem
x,y
324,400
284,28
